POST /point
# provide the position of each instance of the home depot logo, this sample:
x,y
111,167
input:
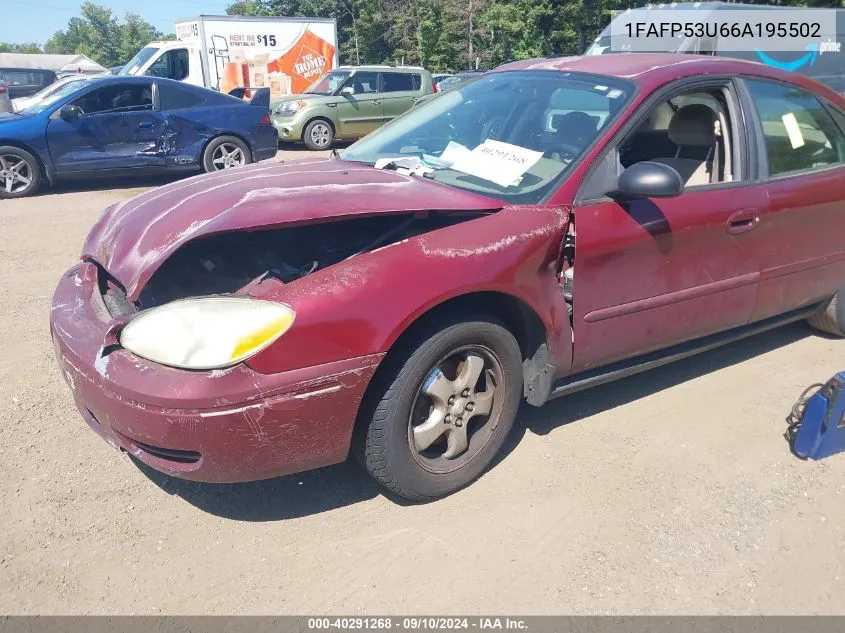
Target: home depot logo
x,y
309,63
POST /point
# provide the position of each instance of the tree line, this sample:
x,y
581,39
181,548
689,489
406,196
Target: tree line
x,y
97,33
442,35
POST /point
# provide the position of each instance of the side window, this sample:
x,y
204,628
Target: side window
x,y
398,82
691,133
364,82
171,65
125,98
21,78
174,97
417,79
800,135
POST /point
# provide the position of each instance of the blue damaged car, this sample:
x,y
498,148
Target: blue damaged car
x,y
119,126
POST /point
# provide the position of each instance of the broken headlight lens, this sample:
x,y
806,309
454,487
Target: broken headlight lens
x,y
289,107
206,333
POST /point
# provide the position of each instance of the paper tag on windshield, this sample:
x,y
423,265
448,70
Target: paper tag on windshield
x,y
501,163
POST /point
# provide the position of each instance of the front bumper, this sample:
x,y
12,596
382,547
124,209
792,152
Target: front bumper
x,y
291,128
217,426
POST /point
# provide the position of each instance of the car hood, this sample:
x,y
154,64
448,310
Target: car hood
x,y
133,238
9,117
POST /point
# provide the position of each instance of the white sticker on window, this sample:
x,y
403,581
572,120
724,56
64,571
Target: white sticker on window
x,y
501,163
614,94
792,130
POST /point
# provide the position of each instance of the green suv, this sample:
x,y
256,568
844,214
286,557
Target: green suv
x,y
348,103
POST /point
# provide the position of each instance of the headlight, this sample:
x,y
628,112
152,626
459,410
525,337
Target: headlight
x,y
289,107
206,333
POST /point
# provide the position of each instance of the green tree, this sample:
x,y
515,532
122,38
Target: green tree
x,y
28,47
98,34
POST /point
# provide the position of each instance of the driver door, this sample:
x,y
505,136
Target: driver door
x,y
360,109
118,127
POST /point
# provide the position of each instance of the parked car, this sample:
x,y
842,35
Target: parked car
x,y
459,78
349,103
439,77
252,324
128,126
21,103
5,102
446,86
23,82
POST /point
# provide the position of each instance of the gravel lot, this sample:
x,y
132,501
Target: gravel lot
x,y
671,492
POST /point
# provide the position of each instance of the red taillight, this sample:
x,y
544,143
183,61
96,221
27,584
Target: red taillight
x,y
2,88
434,87
265,120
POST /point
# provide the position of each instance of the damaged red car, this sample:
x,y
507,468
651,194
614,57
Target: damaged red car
x,y
401,300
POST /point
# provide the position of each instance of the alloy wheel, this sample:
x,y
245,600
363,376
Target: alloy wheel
x,y
456,409
227,156
15,173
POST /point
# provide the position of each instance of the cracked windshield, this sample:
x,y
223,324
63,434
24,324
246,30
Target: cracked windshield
x,y
510,135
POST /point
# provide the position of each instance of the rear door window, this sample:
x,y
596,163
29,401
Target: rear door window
x,y
800,135
399,82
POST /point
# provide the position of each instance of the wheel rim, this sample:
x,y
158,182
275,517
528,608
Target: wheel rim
x,y
15,174
321,135
457,407
227,156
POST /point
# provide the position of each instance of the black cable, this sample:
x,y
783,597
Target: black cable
x,y
795,416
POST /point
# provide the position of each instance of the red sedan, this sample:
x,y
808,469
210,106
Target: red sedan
x,y
404,298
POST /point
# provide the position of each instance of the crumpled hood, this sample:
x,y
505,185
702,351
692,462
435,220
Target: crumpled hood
x,y
133,238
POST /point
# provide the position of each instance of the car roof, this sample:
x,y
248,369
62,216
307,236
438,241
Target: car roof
x,y
26,70
377,67
654,69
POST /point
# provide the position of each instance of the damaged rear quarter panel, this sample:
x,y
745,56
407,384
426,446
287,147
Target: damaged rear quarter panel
x,y
362,305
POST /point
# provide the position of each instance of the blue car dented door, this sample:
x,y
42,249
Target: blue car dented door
x,y
108,127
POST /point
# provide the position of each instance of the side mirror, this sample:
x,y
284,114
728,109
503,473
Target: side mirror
x,y
347,90
70,112
649,180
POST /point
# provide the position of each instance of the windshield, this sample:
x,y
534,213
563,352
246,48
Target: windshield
x,y
511,135
137,62
327,84
63,91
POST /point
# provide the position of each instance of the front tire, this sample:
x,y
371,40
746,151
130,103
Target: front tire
x,y
318,135
20,173
225,152
440,415
830,318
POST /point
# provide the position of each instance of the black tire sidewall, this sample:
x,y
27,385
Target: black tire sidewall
x,y
209,150
387,446
306,135
34,168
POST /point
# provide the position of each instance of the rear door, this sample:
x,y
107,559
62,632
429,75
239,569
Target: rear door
x,y
399,92
652,273
119,127
360,112
800,243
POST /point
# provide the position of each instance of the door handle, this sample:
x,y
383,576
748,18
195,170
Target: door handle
x,y
375,101
743,221
145,125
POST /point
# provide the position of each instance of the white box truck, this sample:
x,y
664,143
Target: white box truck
x,y
228,52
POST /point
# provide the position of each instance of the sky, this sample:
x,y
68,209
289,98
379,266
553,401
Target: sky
x,y
37,20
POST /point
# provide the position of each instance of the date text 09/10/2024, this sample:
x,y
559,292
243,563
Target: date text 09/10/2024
x,y
416,623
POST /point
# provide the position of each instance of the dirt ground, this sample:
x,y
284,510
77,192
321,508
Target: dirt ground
x,y
671,492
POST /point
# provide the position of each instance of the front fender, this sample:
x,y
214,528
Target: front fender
x,y
362,305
